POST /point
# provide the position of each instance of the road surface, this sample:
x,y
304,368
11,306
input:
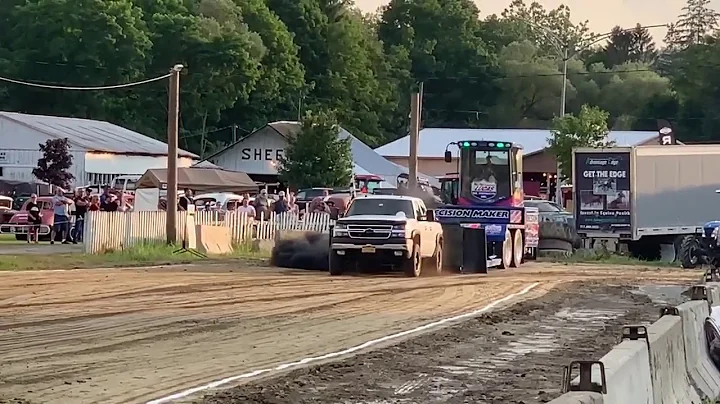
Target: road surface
x,y
133,335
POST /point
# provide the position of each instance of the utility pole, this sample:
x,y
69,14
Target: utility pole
x,y
563,101
172,174
234,133
414,134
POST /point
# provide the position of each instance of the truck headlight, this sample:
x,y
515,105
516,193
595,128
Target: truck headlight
x,y
398,231
340,230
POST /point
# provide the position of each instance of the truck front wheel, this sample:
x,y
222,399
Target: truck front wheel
x,y
518,248
337,263
413,264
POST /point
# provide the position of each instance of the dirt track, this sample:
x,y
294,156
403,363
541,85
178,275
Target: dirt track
x,y
119,336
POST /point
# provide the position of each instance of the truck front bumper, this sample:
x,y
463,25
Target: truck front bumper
x,y
388,248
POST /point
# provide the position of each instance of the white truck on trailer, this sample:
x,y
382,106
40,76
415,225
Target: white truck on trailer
x,y
654,198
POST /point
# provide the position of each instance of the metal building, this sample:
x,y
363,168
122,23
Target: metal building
x,y
101,151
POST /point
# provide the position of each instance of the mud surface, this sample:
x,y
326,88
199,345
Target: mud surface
x,y
130,336
513,356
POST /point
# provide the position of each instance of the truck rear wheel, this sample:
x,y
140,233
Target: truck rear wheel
x,y
518,248
412,267
337,263
434,264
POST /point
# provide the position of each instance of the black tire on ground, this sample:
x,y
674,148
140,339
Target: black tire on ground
x,y
434,265
337,264
412,266
557,231
688,246
555,245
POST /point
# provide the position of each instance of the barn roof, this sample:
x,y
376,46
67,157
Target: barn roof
x,y
433,141
93,135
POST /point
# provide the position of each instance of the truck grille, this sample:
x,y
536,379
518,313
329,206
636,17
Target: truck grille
x,y
374,232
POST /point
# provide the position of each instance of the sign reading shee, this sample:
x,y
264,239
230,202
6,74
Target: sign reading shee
x,y
262,154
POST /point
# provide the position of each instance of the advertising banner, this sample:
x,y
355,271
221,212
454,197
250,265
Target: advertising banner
x,y
602,191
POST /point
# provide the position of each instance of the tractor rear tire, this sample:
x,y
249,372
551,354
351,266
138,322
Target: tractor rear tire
x,y
688,246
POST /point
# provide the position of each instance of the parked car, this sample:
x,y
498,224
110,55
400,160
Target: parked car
x,y
48,218
305,196
551,211
6,208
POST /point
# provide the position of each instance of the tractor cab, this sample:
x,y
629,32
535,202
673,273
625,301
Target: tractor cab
x,y
366,183
489,174
449,187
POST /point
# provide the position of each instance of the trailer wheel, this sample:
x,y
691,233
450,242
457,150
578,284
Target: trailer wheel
x,y
518,249
688,246
506,251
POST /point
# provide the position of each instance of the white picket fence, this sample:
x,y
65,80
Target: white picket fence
x,y
105,231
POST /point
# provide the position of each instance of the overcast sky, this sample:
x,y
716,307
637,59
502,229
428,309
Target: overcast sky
x,y
603,14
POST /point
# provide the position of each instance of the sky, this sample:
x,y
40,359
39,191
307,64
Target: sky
x,y
603,14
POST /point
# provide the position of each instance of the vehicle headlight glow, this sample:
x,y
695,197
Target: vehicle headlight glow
x,y
398,230
340,230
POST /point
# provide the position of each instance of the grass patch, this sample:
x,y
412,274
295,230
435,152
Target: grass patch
x,y
138,255
9,239
600,256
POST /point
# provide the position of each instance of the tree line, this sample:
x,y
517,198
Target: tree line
x,y
249,62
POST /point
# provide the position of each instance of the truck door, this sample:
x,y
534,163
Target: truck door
x,y
427,244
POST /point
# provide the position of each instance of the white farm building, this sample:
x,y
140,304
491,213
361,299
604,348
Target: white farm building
x,y
101,151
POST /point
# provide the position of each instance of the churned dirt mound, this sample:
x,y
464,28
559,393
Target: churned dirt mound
x,y
512,356
133,335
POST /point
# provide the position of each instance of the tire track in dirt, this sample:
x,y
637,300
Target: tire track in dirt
x,y
116,336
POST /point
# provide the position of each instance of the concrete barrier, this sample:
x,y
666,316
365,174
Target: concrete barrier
x,y
627,371
701,371
668,369
213,240
579,397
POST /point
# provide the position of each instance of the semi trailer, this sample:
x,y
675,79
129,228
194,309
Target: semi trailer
x,y
654,199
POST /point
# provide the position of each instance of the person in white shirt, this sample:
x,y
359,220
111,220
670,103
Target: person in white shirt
x,y
246,208
61,223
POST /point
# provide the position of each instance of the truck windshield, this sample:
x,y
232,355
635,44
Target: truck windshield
x,y
485,174
373,206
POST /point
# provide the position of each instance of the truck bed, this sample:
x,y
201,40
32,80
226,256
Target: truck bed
x,y
674,188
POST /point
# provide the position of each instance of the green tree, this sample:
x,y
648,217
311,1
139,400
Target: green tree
x,y
530,90
693,74
317,157
54,164
76,42
624,46
442,41
697,22
587,129
537,22
338,52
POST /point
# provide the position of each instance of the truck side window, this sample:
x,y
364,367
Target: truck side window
x,y
420,211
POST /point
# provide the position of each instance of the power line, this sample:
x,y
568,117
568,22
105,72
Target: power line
x,y
71,88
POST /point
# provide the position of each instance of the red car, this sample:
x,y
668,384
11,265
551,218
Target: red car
x,y
21,219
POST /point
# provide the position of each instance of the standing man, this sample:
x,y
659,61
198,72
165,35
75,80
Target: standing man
x,y
246,208
34,219
61,220
261,204
186,199
81,205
